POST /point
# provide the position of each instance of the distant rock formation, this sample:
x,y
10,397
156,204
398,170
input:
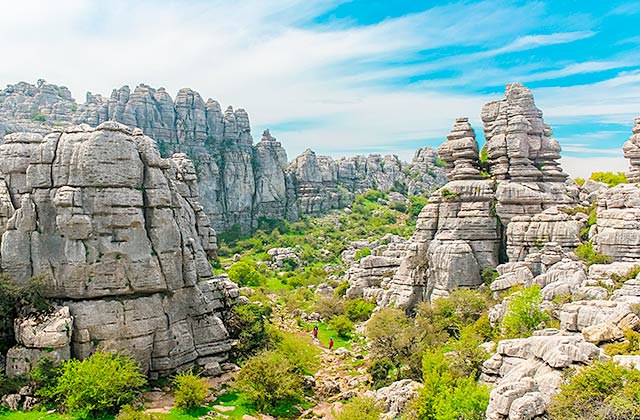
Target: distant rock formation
x,y
239,182
120,236
479,220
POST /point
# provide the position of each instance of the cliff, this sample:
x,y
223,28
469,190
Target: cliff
x,y
239,182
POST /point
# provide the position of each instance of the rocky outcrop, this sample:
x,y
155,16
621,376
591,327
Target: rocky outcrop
x,y
120,236
617,230
528,372
456,233
38,336
480,219
239,182
396,398
631,149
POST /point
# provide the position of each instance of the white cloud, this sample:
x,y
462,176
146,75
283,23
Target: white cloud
x,y
583,167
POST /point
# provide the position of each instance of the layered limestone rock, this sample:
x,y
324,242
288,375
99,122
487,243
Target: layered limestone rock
x,y
120,235
528,372
631,149
523,157
40,336
473,223
527,234
457,233
370,276
239,182
617,230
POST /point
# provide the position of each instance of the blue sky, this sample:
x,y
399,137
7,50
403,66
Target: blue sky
x,y
346,77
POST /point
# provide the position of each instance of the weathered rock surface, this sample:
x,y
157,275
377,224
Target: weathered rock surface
x,y
528,372
239,182
121,237
617,230
473,223
396,397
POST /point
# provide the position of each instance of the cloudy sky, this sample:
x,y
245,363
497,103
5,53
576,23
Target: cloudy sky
x,y
345,77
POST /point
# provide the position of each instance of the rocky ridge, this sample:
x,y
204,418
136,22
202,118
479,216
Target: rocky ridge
x,y
120,236
239,181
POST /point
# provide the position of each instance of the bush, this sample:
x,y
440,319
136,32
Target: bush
x,y
245,274
523,314
328,307
580,181
380,371
488,275
373,195
19,300
247,325
299,351
602,391
589,255
341,290
445,397
342,325
38,117
361,408
129,412
358,310
191,390
269,379
440,163
610,178
451,314
11,385
361,253
95,386
631,345
417,203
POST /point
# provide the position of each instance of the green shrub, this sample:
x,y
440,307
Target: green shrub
x,y
358,310
245,273
416,205
19,300
449,195
440,163
299,351
400,206
589,255
610,178
373,195
361,408
451,314
129,412
38,117
465,354
380,371
191,390
445,397
523,314
341,290
11,385
328,307
619,280
631,345
269,379
361,253
580,181
602,391
342,325
488,275
247,324
98,385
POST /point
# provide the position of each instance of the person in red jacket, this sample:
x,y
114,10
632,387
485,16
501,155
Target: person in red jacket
x,y
315,332
331,343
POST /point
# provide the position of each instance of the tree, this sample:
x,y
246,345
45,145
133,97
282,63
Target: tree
x,y
95,386
523,314
245,274
247,324
269,379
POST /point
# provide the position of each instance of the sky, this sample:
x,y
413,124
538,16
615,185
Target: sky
x,y
346,77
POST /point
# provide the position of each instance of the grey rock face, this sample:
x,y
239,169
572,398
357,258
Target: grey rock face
x,y
631,150
239,182
617,230
121,236
473,223
528,372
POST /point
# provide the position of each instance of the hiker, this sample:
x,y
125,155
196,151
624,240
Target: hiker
x,y
331,343
315,332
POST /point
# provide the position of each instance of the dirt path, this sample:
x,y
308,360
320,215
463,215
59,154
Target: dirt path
x,y
342,373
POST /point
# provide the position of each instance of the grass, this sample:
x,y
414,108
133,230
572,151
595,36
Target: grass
x,y
31,415
325,333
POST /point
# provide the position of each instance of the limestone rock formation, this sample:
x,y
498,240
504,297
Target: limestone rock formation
x,y
523,157
121,237
40,336
456,233
476,222
239,182
631,150
528,372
